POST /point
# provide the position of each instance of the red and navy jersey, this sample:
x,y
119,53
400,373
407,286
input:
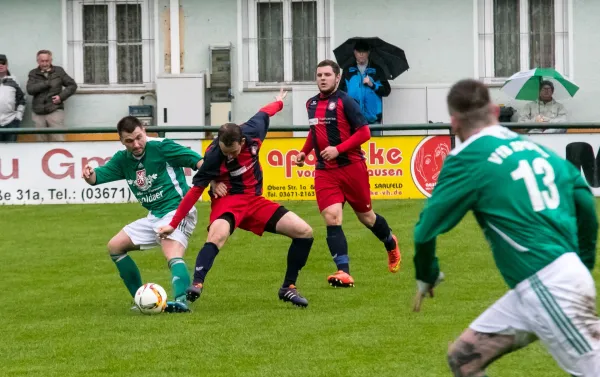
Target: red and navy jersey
x,y
332,120
243,174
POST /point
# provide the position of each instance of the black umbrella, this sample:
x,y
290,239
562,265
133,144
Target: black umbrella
x,y
391,58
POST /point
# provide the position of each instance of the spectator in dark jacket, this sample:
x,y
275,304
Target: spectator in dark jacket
x,y
365,81
12,101
46,84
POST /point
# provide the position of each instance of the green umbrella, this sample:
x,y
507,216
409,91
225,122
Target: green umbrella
x,y
525,85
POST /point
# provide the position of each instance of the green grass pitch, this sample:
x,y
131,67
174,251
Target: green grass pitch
x,y
65,311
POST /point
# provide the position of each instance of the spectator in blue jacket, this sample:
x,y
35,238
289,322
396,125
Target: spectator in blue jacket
x,y
365,81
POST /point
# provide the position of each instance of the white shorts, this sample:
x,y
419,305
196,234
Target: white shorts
x,y
558,305
143,231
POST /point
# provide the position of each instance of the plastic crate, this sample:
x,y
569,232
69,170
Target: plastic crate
x,y
141,111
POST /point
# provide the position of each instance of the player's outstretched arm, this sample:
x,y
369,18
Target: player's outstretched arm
x,y
453,197
274,107
587,222
187,203
258,125
208,171
89,175
424,289
109,172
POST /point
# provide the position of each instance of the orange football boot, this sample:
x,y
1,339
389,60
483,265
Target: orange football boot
x,y
340,279
394,258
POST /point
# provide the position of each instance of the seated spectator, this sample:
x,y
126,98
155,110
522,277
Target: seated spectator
x,y
12,101
544,110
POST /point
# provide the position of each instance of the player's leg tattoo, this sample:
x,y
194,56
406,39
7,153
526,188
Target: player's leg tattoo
x,y
474,351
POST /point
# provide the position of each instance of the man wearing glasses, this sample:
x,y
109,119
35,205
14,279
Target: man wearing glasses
x,y
544,110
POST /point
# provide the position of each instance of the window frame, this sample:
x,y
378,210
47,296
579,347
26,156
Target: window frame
x,y
76,50
563,34
323,42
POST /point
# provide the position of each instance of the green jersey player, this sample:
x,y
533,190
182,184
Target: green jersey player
x,y
153,170
539,216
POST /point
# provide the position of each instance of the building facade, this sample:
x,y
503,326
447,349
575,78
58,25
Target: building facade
x,y
242,51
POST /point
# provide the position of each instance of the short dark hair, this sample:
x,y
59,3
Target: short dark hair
x,y
469,100
362,46
40,52
547,83
128,124
330,63
230,133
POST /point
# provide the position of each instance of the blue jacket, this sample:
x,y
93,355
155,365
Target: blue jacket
x,y
370,99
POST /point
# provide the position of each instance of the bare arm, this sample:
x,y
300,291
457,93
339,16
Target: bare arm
x,y
89,175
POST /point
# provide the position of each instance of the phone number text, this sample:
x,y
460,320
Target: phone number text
x,y
88,194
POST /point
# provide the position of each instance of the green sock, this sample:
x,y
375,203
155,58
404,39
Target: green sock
x,y
128,271
180,278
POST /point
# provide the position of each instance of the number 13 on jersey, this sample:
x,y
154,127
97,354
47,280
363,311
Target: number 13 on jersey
x,y
548,198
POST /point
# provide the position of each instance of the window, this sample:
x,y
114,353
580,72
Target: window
x,y
109,42
517,35
283,40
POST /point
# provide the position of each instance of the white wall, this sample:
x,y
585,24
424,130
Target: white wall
x,y
428,38
586,34
437,36
100,110
21,38
584,106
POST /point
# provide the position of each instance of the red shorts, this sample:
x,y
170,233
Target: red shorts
x,y
346,184
250,212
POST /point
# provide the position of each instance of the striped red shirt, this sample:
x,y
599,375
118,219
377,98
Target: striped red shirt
x,y
332,120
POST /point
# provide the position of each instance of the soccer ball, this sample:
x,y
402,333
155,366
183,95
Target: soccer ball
x,y
151,298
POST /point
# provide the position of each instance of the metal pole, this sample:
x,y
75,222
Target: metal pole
x,y
382,127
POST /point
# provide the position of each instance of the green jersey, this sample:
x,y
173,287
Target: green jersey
x,y
156,179
532,205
